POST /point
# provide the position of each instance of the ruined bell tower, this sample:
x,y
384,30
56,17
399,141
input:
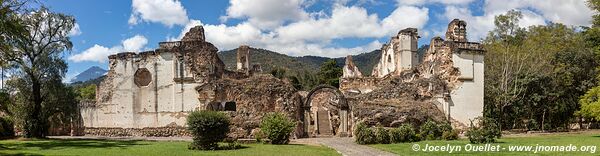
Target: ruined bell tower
x,y
399,54
408,39
243,65
457,31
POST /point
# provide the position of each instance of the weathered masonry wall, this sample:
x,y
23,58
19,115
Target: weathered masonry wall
x,y
151,93
454,63
160,102
467,99
399,54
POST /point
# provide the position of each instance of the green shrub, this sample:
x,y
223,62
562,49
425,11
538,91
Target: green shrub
x,y
208,128
404,133
430,131
277,127
364,134
382,135
6,127
486,131
450,135
445,126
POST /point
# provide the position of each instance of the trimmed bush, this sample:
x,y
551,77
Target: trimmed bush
x,y
208,128
486,131
277,127
404,133
364,134
6,127
430,131
382,135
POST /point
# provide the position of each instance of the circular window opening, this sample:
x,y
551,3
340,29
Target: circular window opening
x,y
142,77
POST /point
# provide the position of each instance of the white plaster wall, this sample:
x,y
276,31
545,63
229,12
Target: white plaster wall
x,y
163,102
388,66
467,100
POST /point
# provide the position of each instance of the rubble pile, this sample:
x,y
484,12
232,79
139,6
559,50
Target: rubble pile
x,y
254,97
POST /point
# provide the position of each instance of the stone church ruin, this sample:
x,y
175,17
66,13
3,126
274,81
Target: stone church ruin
x,y
151,93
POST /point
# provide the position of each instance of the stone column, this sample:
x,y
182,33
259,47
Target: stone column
x,y
343,123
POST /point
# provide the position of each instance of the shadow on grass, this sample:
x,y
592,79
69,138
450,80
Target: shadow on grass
x,y
48,144
596,136
18,154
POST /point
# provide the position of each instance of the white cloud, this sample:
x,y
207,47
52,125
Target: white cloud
x,y
96,53
285,25
313,36
569,12
75,31
266,14
167,12
135,43
404,17
422,2
100,53
354,22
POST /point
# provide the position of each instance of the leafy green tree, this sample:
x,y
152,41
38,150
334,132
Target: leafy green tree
x,y
330,73
295,82
279,72
308,80
87,92
595,5
504,62
36,56
535,74
590,104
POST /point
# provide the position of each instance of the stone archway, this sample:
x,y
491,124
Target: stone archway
x,y
326,117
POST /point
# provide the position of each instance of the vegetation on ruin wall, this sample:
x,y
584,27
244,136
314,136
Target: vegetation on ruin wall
x,y
33,41
535,76
149,148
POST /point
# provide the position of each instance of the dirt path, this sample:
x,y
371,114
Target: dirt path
x,y
345,146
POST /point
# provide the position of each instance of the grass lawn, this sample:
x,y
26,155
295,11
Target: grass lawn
x,y
565,139
162,148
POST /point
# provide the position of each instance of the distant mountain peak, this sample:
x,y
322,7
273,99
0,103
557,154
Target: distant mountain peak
x,y
90,73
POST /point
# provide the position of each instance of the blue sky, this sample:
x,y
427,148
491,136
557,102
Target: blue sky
x,y
331,28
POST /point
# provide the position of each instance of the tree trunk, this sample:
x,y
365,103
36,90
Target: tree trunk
x,y
35,125
543,119
2,78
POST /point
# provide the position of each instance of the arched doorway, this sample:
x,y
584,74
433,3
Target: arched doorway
x,y
326,112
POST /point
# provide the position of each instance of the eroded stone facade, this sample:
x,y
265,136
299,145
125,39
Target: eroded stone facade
x,y
399,54
449,78
151,93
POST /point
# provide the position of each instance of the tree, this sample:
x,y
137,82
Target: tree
x,y
505,63
36,55
88,92
330,73
9,27
535,75
590,104
278,72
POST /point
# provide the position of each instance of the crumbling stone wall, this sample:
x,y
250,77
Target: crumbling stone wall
x,y
151,93
350,70
399,54
254,97
449,77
